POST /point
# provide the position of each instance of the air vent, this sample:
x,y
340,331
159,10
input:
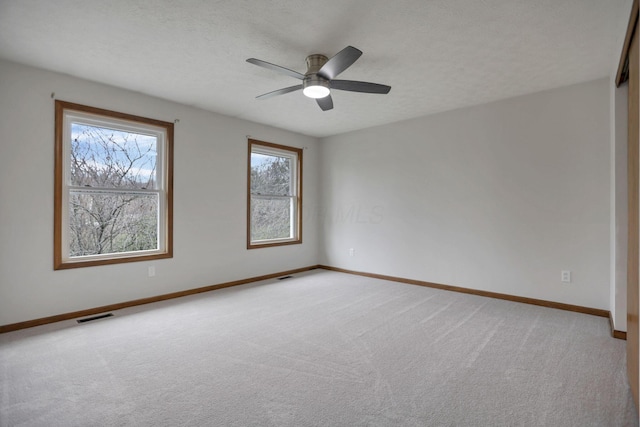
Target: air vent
x,y
89,319
285,277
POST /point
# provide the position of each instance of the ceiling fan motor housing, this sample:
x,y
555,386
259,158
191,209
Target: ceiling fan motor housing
x,y
314,63
311,78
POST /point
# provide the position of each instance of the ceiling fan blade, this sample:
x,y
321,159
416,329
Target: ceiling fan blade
x,y
325,103
279,92
365,87
339,62
274,67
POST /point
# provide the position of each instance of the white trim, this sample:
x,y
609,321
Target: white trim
x,y
70,117
293,158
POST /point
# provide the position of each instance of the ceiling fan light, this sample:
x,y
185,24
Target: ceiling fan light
x,y
316,91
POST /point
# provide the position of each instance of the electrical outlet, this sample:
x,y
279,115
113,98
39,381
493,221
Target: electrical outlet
x,y
565,276
152,271
352,252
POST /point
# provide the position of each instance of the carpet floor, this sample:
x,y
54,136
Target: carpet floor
x,y
319,349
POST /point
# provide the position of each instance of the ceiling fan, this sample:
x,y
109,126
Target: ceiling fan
x,y
318,81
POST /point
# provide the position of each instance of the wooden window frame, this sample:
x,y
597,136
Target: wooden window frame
x,y
623,65
165,250
297,239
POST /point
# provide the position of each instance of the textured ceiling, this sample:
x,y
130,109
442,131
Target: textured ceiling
x,y
436,54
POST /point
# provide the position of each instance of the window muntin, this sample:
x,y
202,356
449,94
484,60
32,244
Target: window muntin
x,y
274,196
113,187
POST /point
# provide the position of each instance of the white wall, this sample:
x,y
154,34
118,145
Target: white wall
x,y
498,197
209,201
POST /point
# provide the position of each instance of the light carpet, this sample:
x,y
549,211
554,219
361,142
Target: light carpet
x,y
319,349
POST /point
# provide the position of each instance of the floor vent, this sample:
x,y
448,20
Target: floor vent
x,y
89,319
285,277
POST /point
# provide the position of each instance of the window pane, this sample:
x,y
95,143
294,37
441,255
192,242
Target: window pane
x,y
108,158
270,175
103,223
270,218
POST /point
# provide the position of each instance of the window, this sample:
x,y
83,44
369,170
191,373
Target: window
x,y
113,187
275,195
